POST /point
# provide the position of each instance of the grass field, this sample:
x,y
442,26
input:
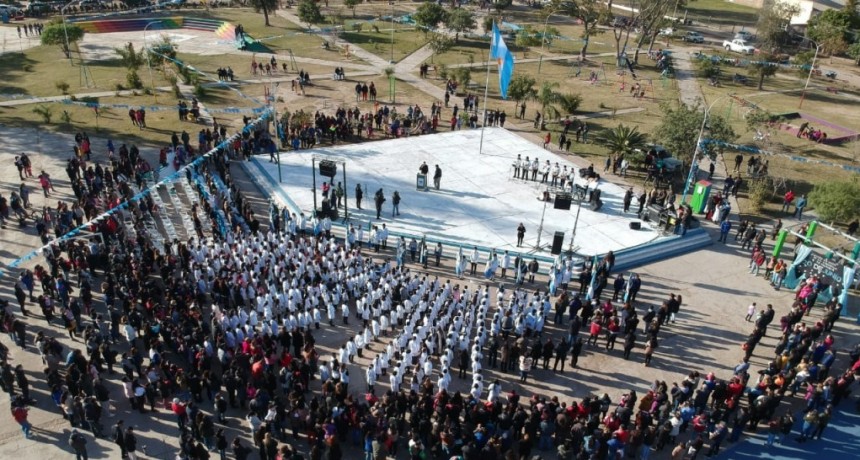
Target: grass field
x,y
111,122
782,95
719,13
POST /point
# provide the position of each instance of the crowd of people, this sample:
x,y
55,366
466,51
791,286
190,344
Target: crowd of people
x,y
226,325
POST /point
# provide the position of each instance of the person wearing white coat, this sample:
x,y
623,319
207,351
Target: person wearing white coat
x,y
130,333
506,263
332,311
461,267
370,378
351,350
344,312
474,259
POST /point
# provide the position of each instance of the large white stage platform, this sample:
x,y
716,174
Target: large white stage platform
x,y
479,202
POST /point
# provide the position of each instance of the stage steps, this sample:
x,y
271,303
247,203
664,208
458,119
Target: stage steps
x,y
694,240
191,196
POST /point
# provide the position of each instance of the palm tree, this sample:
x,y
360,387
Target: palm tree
x,y
623,140
554,103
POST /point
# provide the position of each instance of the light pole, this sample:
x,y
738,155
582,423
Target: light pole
x,y
149,59
811,69
549,14
697,152
392,33
66,32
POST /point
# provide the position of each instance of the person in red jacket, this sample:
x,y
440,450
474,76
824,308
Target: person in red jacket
x,y
595,331
179,409
19,413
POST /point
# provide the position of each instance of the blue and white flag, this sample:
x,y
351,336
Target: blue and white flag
x,y
500,52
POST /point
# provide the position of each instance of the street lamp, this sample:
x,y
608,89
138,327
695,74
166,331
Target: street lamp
x,y
392,33
549,14
149,59
66,32
688,183
811,69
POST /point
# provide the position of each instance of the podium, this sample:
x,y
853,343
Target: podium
x,y
421,182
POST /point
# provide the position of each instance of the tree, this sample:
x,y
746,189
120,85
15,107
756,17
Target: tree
x,y
756,118
589,12
429,15
132,60
773,26
763,68
854,52
463,75
836,201
129,57
521,88
501,5
439,43
44,111
554,103
351,4
680,125
831,30
265,6
623,139
803,61
309,13
707,68
460,21
54,34
526,37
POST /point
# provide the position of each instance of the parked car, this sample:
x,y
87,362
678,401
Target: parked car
x,y
745,36
693,37
667,31
619,21
738,46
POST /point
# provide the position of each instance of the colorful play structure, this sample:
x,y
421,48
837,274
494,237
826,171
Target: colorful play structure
x,y
222,29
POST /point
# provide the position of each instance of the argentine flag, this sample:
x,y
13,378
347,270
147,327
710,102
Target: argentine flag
x,y
500,52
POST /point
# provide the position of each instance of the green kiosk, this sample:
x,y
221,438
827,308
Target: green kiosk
x,y
701,192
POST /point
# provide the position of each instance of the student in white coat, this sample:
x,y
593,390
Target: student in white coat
x,y
474,259
344,313
332,311
461,267
506,263
370,378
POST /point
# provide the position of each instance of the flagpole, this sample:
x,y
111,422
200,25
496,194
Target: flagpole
x,y
486,90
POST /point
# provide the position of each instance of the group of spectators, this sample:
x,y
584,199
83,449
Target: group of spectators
x,y
226,325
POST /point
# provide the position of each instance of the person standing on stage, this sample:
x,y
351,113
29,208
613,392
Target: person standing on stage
x,y
359,194
379,199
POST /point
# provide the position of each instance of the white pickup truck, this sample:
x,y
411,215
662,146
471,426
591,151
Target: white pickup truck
x,y
738,46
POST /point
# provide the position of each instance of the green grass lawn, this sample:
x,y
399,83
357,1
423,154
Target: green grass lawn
x,y
721,13
407,40
36,71
113,123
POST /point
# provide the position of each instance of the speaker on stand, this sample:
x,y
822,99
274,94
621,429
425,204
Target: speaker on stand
x,y
328,168
557,243
562,201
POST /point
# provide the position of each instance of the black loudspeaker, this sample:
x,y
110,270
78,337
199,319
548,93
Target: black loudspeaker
x,y
328,168
636,225
557,242
562,201
595,206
